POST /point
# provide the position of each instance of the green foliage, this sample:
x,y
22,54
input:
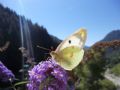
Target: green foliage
x,y
82,72
91,73
106,85
116,69
113,58
98,58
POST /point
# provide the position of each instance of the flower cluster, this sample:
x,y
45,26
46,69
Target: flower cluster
x,y
5,74
47,75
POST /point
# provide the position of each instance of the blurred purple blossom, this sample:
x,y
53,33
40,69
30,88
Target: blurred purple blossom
x,y
47,75
5,74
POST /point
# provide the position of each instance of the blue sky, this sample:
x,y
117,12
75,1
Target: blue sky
x,y
63,17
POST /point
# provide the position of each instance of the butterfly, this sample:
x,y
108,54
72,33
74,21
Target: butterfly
x,y
69,52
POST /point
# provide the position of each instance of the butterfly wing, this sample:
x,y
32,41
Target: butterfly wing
x,y
69,57
77,39
70,52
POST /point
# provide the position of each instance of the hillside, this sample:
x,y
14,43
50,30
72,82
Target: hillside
x,y
10,39
113,35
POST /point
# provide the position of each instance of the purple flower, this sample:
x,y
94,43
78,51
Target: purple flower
x,y
5,74
47,75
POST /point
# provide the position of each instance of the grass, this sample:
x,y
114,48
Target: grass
x,y
116,69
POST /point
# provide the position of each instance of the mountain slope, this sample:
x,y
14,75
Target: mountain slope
x,y
114,35
10,40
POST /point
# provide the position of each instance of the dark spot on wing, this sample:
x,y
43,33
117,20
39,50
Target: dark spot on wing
x,y
69,41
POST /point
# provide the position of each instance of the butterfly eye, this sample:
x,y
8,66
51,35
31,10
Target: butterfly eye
x,y
69,41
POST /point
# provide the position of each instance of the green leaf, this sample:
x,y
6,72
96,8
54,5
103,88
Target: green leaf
x,y
20,83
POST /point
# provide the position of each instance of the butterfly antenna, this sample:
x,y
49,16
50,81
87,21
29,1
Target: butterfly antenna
x,y
43,48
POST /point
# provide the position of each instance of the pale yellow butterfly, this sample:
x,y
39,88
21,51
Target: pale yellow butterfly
x,y
70,51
